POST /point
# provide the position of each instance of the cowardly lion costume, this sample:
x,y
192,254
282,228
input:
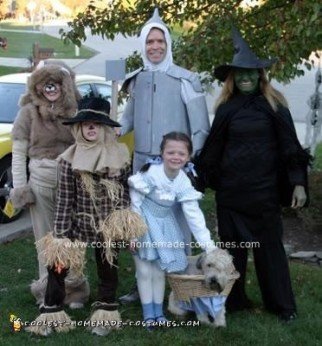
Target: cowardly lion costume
x,y
39,135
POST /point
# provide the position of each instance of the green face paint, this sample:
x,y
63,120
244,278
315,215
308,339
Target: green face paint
x,y
246,80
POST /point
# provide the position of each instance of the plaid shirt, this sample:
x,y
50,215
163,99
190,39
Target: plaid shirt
x,y
75,207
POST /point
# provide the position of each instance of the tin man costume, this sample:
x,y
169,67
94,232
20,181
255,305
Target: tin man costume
x,y
163,98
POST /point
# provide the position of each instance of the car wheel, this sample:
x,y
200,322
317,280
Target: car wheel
x,y
5,182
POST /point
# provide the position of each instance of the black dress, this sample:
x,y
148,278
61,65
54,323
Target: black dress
x,y
240,160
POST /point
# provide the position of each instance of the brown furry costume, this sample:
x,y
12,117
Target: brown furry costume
x,y
38,134
39,122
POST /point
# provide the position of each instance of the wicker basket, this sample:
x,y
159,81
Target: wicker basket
x,y
186,286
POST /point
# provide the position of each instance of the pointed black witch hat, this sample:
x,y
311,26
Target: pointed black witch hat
x,y
244,57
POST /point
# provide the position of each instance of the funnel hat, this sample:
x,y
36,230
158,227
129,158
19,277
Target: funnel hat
x,y
244,57
155,19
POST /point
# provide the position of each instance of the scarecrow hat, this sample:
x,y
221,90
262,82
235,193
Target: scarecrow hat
x,y
95,109
244,57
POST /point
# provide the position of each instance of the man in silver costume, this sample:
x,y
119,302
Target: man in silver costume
x,y
163,97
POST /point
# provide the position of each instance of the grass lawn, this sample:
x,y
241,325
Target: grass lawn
x,y
20,46
18,26
18,267
9,69
318,158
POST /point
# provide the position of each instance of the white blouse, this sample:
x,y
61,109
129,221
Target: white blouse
x,y
157,186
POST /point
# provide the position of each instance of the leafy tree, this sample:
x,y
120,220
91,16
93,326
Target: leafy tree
x,y
21,7
287,29
76,5
5,7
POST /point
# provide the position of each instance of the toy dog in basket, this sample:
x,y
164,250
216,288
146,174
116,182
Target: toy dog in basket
x,y
204,287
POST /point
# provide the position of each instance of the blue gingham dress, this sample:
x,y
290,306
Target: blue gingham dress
x,y
164,241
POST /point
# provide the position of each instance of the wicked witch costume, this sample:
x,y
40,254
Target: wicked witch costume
x,y
92,208
251,146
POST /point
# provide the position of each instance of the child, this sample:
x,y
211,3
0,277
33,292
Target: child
x,y
154,190
92,207
39,136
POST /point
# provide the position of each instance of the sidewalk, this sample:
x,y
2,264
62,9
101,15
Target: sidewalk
x,y
16,229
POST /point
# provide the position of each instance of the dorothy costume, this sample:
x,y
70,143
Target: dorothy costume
x,y
153,195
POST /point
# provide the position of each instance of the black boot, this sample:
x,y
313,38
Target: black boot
x,y
55,291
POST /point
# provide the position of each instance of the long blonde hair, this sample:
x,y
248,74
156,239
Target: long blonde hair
x,y
273,96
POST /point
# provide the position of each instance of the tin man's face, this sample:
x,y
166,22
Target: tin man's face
x,y
156,46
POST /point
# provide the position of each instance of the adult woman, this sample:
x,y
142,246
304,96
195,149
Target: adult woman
x,y
251,142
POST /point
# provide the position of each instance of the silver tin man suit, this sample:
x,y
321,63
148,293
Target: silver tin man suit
x,y
163,97
161,102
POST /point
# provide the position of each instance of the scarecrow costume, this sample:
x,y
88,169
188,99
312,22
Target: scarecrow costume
x,y
92,209
39,136
254,161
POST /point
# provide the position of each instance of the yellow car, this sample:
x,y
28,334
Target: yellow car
x,y
12,86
